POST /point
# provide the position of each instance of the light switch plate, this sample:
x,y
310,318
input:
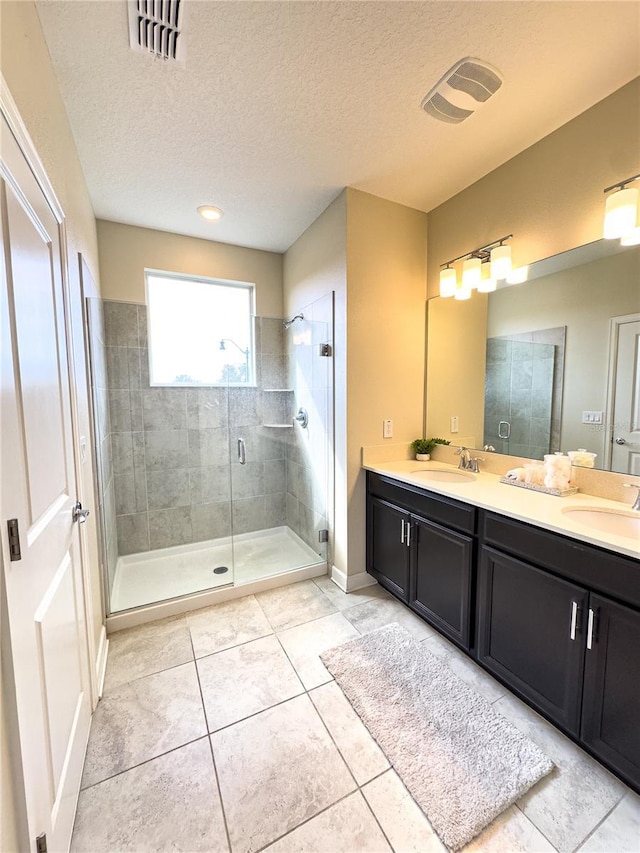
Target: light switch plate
x,y
454,423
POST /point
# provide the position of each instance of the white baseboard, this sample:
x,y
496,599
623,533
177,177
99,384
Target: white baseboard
x,y
101,660
349,583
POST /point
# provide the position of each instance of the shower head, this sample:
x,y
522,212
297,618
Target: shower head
x,y
287,323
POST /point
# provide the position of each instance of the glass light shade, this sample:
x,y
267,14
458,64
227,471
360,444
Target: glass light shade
x,y
448,281
471,273
518,275
620,214
632,238
500,262
462,292
487,285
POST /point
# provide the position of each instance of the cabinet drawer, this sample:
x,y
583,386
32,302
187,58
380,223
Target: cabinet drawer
x,y
443,510
603,571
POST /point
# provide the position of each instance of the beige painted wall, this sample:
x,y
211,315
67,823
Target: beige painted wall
x,y
583,299
550,197
386,294
126,250
27,70
316,264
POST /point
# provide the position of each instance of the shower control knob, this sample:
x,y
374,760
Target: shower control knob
x,y
302,417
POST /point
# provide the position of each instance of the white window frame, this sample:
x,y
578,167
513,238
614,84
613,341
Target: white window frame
x,y
200,279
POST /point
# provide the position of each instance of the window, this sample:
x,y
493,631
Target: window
x,y
200,330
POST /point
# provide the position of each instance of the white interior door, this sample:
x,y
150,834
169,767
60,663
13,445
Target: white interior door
x,y
44,587
625,450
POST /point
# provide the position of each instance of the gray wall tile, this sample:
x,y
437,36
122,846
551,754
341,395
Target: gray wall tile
x,y
211,521
207,408
121,324
208,447
247,481
133,533
210,484
166,449
164,408
275,510
167,489
169,527
248,515
275,476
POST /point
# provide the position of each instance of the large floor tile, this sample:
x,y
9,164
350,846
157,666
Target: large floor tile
x,y
346,827
400,817
364,757
620,831
276,770
225,625
294,604
345,600
512,832
466,670
376,613
241,681
143,719
147,649
305,643
170,803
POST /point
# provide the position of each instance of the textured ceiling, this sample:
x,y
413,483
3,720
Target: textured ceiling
x,y
282,104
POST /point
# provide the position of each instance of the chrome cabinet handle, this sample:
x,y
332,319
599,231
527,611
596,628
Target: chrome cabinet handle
x,y
574,619
78,514
408,535
590,630
402,532
242,453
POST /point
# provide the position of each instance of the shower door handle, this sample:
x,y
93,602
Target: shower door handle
x,y
504,429
242,453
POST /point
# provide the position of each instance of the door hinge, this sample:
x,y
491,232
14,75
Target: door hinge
x,y
41,843
323,536
325,350
14,539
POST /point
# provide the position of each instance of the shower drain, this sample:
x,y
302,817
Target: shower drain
x,y
220,570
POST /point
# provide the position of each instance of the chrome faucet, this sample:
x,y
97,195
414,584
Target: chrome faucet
x,y
465,458
473,464
636,504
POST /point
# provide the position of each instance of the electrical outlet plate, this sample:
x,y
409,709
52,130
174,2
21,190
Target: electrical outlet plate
x,y
387,429
454,423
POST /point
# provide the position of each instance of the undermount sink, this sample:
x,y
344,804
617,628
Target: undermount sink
x,y
443,475
619,522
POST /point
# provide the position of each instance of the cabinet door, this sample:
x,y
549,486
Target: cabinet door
x,y
440,588
531,634
387,551
611,701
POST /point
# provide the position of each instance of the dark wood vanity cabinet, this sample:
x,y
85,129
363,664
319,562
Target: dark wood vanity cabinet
x,y
570,651
555,619
421,548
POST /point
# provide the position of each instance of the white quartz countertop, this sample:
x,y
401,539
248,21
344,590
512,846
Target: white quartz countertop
x,y
542,510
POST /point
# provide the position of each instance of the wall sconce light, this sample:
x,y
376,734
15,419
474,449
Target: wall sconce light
x,y
621,210
448,281
481,270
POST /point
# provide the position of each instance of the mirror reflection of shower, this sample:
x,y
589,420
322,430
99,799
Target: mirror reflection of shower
x,y
229,368
287,323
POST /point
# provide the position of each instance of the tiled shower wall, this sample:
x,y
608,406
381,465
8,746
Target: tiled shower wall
x,y
105,498
174,449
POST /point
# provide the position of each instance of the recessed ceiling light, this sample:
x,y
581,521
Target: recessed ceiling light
x,y
210,213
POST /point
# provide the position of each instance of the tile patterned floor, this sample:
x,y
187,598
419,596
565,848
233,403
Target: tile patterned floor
x,y
222,731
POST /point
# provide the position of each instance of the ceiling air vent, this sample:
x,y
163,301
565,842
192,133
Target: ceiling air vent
x,y
155,27
461,90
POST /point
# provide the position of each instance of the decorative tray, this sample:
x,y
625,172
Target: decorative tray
x,y
559,493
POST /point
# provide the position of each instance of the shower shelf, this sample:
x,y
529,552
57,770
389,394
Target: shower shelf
x,y
278,390
279,426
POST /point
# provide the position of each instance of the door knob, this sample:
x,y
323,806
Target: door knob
x,y
78,514
621,441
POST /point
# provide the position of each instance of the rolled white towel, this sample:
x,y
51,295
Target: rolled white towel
x,y
515,474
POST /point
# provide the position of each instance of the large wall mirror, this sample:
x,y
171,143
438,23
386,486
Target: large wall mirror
x,y
552,364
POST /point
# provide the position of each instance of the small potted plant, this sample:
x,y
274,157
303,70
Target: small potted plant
x,y
422,447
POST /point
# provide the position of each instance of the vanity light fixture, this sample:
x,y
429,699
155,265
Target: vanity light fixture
x,y
494,257
632,238
621,209
210,213
448,281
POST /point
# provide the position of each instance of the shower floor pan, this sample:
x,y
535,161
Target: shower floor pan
x,y
154,576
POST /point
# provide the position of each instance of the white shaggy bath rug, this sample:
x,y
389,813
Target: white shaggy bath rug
x,y
462,762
